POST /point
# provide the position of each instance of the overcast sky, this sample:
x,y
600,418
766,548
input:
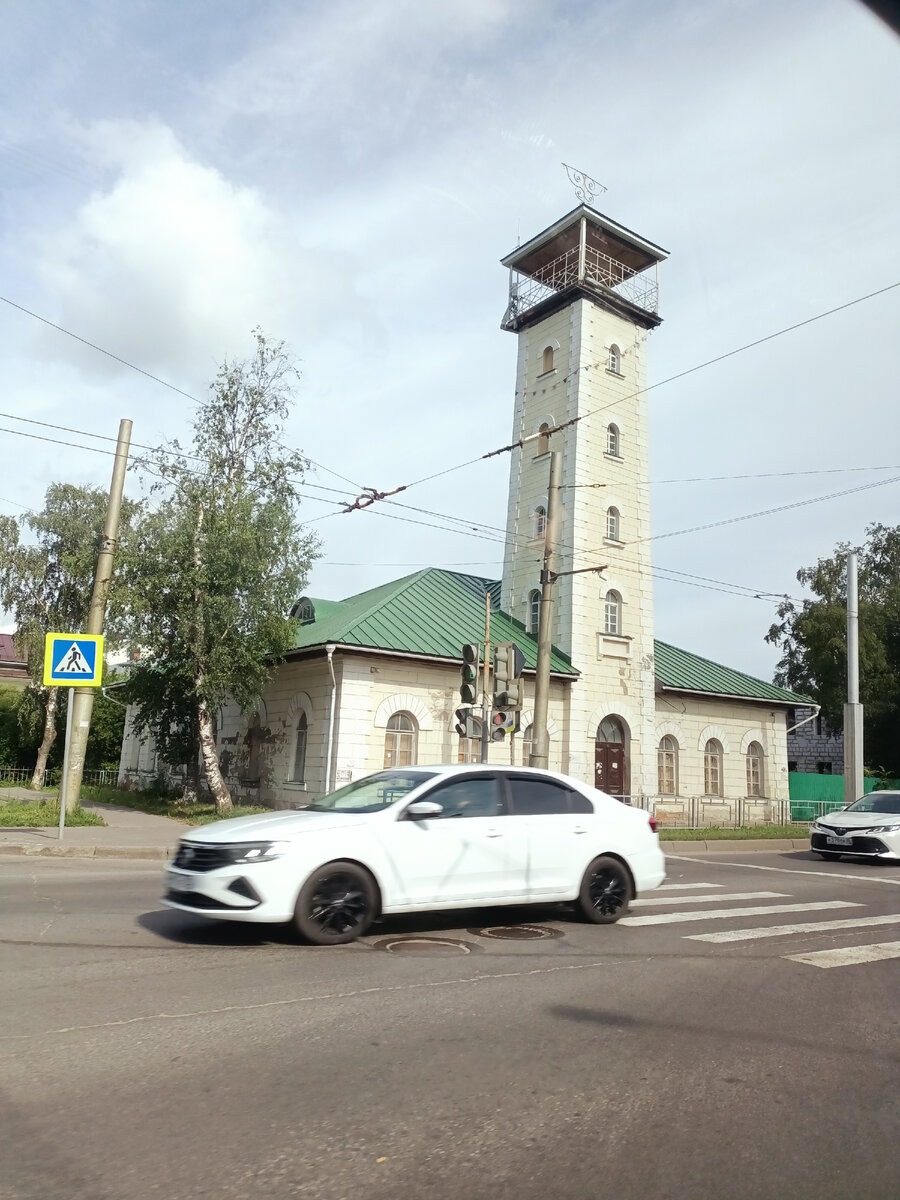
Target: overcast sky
x,y
348,174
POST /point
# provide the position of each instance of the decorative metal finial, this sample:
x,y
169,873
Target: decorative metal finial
x,y
586,189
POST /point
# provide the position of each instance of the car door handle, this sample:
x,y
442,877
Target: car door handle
x,y
579,829
494,833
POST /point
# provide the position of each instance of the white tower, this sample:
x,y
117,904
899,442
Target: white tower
x,y
583,295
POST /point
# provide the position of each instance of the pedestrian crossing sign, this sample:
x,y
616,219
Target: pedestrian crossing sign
x,y
73,659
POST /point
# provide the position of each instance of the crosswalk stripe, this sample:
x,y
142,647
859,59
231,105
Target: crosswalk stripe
x,y
743,935
721,913
673,887
848,956
709,899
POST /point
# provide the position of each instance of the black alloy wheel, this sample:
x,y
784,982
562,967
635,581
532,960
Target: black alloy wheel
x,y
336,904
606,891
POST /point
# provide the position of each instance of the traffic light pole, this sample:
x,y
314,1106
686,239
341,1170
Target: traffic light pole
x,y
540,745
486,687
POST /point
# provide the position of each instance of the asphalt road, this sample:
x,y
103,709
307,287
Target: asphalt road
x,y
147,1054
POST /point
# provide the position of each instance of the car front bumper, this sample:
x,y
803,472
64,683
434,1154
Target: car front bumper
x,y
263,892
862,844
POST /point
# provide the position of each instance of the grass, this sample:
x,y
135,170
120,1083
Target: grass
x,y
201,813
745,833
35,814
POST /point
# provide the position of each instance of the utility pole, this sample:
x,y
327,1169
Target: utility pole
x,y
81,705
485,693
853,710
540,744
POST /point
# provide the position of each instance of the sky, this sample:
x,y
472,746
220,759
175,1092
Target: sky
x,y
347,175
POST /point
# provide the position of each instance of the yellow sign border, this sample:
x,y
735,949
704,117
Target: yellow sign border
x,y
50,641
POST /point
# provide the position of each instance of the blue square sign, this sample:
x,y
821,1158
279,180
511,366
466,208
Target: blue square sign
x,y
73,659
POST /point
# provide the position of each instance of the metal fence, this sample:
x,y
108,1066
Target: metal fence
x,y
703,812
22,776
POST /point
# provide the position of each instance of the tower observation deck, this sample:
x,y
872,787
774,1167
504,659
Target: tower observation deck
x,y
583,254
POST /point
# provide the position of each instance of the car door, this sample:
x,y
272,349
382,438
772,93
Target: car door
x,y
556,824
465,854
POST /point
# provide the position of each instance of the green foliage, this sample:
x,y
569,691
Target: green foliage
x,y
718,833
104,746
222,560
812,638
36,814
200,813
9,727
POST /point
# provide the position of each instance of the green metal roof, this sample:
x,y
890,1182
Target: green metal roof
x,y
683,671
433,613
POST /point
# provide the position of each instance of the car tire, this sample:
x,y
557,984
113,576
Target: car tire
x,y
828,855
337,904
606,891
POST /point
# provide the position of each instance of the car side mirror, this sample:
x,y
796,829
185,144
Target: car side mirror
x,y
423,810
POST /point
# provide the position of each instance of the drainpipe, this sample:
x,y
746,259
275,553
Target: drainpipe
x,y
329,783
817,708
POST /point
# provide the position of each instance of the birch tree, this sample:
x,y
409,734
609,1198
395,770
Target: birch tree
x,y
220,562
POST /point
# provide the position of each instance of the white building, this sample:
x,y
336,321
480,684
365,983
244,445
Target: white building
x,y
374,678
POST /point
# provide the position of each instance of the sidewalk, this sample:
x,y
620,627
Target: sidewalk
x,y
127,834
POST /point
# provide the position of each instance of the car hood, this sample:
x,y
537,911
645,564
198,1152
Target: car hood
x,y
274,826
858,820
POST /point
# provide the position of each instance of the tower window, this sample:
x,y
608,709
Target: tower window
x,y
540,521
612,440
615,360
543,445
612,613
547,360
534,611
612,524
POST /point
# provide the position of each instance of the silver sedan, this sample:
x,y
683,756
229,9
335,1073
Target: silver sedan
x,y
869,827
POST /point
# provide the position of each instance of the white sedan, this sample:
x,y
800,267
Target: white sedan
x,y
415,839
869,827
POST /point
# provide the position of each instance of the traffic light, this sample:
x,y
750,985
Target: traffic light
x,y
468,687
465,723
504,721
509,662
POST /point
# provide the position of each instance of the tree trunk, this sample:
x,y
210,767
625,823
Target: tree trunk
x,y
191,791
216,783
40,767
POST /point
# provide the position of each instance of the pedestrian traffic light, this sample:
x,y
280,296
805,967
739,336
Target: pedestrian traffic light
x,y
509,662
503,721
465,723
468,687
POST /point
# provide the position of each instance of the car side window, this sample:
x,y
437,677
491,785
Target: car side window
x,y
580,804
538,797
471,796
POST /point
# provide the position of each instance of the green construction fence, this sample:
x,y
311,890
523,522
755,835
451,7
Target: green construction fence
x,y
814,795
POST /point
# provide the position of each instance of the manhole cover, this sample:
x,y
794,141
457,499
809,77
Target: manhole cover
x,y
423,945
517,933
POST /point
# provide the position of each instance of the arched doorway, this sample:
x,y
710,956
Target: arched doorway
x,y
611,758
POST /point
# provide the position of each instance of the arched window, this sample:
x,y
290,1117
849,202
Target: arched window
x,y
612,524
615,359
299,772
612,613
527,745
539,518
667,766
712,768
755,770
610,731
400,740
547,360
543,442
612,440
534,612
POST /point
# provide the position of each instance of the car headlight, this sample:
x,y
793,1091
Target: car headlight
x,y
884,829
817,828
254,852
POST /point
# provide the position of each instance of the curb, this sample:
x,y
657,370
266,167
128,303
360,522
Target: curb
x,y
735,845
154,853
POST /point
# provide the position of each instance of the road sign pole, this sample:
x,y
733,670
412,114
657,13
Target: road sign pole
x,y
102,580
63,788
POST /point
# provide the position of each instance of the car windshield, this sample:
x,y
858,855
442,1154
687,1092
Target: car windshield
x,y
889,803
373,793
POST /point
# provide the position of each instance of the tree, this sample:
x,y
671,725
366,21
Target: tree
x,y
812,638
46,583
221,562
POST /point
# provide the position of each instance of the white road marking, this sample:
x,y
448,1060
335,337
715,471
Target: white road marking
x,y
671,887
835,876
721,913
743,935
711,899
849,956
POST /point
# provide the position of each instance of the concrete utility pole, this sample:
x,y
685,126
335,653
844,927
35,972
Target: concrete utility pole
x,y
853,710
540,739
83,701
